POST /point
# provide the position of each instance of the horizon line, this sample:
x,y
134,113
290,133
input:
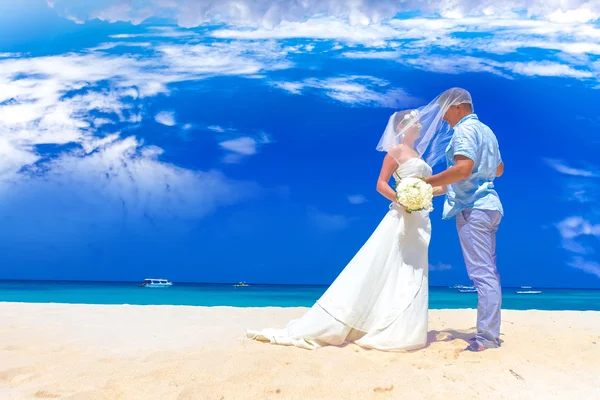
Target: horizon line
x,y
265,284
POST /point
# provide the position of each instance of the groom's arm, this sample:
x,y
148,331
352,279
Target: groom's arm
x,y
465,145
500,169
462,169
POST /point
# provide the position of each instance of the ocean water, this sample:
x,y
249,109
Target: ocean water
x,y
192,294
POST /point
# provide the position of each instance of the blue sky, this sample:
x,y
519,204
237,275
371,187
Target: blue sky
x,y
228,141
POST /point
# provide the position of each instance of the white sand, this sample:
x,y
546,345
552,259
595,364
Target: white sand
x,y
164,352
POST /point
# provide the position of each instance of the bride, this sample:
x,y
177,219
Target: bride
x,y
380,299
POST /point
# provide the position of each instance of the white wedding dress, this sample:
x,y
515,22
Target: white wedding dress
x,y
380,300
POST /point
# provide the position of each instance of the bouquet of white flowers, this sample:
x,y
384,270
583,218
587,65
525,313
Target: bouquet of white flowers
x,y
414,194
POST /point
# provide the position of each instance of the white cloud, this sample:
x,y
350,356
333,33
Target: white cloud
x,y
120,12
373,54
440,267
166,118
39,114
14,157
579,184
580,239
569,38
329,222
157,32
455,64
117,185
591,267
10,55
98,122
574,227
316,28
357,199
233,158
72,101
292,87
451,64
576,48
584,14
187,62
75,19
580,234
269,14
243,146
216,128
353,90
566,169
425,43
582,192
547,69
112,45
37,105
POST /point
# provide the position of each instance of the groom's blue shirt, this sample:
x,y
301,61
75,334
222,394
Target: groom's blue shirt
x,y
474,140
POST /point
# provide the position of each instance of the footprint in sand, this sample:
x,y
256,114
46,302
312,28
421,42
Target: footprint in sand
x,y
444,337
111,360
42,394
20,375
457,352
380,389
449,378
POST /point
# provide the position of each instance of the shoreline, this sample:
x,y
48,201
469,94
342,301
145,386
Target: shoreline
x,y
93,351
261,307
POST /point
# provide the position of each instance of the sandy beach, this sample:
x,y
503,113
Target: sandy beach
x,y
52,351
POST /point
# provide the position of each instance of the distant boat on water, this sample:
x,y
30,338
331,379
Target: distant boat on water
x,y
462,287
527,290
241,284
155,283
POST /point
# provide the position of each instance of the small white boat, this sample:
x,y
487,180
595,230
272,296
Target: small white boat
x,y
155,283
462,287
241,284
529,292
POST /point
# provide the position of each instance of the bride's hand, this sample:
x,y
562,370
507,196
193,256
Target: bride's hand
x,y
395,203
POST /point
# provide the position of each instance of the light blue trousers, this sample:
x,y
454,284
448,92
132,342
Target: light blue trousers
x,y
477,233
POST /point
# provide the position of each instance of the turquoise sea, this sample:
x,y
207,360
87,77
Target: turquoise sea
x,y
195,294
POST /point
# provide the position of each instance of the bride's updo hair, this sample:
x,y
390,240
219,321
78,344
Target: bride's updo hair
x,y
402,118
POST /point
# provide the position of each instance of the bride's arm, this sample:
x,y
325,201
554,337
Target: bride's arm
x,y
383,185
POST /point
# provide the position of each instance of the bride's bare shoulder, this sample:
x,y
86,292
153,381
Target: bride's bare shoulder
x,y
401,153
398,149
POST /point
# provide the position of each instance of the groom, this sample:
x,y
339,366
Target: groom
x,y
474,161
